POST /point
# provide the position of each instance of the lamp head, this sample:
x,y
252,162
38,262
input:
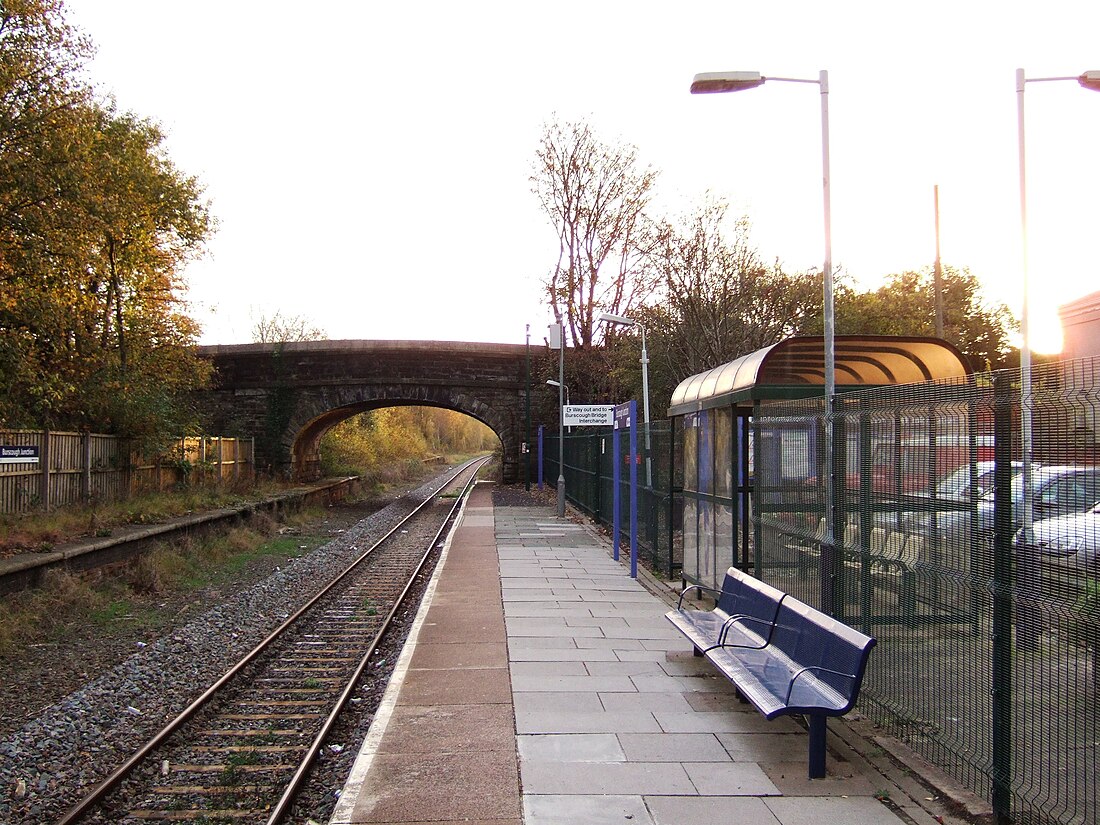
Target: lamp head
x,y
1090,80
607,317
716,82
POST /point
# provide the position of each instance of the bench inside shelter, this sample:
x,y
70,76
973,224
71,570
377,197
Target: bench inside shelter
x,y
781,655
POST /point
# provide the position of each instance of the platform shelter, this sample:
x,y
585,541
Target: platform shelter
x,y
722,456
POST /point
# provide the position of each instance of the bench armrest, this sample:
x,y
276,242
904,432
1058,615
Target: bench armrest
x,y
689,588
816,669
741,617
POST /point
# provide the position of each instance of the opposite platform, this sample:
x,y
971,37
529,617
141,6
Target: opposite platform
x,y
542,685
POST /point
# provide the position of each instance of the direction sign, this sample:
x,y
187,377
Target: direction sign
x,y
587,415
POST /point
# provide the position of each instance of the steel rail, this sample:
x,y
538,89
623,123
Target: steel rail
x,y
282,808
108,784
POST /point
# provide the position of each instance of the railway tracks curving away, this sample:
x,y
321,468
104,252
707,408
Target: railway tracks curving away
x,y
242,750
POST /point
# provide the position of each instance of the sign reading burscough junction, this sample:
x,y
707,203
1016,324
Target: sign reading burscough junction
x,y
18,454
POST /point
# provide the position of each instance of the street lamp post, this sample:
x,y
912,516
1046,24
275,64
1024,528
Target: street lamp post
x,y
554,383
717,82
607,317
1089,80
557,334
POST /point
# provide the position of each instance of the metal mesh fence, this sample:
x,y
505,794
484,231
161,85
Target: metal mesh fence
x,y
589,485
979,580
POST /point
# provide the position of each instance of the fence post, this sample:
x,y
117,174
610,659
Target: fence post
x,y
1001,769
44,473
86,467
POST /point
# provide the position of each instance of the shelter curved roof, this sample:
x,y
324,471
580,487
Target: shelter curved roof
x,y
795,368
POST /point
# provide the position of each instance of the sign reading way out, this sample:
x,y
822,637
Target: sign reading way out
x,y
587,415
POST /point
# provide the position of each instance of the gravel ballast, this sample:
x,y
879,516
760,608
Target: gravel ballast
x,y
74,743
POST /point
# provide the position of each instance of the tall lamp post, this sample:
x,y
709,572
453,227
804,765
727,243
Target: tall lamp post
x,y
1089,80
557,339
718,82
554,383
608,318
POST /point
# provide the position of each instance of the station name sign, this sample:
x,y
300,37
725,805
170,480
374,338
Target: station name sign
x,y
587,415
18,454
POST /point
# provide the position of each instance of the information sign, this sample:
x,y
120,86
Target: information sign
x,y
18,454
587,415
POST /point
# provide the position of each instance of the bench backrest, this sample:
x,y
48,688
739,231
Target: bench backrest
x,y
756,601
732,587
810,639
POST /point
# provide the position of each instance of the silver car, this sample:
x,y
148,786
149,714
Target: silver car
x,y
1074,537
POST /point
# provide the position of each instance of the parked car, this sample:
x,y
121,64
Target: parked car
x,y
1056,490
1074,537
952,492
956,486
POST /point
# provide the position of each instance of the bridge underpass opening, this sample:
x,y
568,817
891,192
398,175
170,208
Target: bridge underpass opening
x,y
385,440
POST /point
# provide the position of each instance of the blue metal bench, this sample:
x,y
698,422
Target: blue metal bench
x,y
804,663
743,616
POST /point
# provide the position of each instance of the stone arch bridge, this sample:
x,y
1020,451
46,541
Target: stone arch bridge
x,y
289,395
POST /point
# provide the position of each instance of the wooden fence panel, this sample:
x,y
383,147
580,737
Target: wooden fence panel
x,y
76,468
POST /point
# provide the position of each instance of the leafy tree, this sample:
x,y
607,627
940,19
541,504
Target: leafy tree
x,y
906,305
718,299
595,195
280,329
95,225
368,442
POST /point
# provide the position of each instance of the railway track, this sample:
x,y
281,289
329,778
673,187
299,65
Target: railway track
x,y
241,751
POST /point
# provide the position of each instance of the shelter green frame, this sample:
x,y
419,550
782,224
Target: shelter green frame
x,y
791,369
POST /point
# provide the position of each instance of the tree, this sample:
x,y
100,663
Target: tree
x,y
906,305
595,195
280,329
721,299
96,224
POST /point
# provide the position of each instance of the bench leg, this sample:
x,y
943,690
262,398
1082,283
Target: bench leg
x,y
697,652
817,746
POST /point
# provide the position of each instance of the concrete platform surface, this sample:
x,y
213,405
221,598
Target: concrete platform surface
x,y
542,685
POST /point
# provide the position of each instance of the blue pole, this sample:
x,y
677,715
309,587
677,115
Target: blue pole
x,y
634,459
616,498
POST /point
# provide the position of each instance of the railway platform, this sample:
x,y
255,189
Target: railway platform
x,y
541,685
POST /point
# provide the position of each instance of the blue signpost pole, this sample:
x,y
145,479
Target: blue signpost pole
x,y
616,496
634,459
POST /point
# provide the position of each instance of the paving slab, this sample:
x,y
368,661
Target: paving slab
x,y
543,686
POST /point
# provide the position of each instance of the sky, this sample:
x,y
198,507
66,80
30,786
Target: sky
x,y
369,163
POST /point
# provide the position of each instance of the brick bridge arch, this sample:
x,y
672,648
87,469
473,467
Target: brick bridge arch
x,y
289,395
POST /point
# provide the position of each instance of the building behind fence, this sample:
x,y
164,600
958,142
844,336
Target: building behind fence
x,y
79,468
988,662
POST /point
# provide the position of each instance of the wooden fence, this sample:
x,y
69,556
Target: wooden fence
x,y
54,469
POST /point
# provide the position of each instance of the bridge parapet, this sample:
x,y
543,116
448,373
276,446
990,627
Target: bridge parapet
x,y
288,395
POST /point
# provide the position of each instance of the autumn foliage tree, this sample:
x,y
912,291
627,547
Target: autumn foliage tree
x,y
371,442
96,223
